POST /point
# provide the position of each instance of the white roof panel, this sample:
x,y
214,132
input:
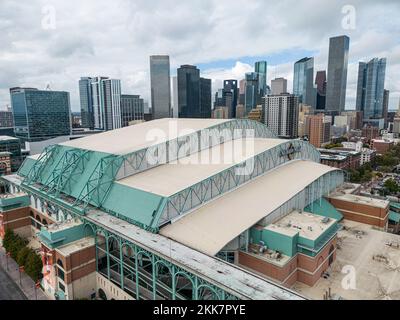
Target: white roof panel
x,y
168,179
211,227
134,138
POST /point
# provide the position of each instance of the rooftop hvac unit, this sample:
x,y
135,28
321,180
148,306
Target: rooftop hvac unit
x,y
326,220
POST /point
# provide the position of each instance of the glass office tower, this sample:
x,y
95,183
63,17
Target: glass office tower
x,y
303,81
371,87
160,87
251,91
194,93
337,74
85,95
261,69
40,114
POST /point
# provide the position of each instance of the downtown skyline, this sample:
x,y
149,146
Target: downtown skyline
x,y
59,58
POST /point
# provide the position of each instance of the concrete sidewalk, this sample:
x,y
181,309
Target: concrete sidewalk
x,y
27,285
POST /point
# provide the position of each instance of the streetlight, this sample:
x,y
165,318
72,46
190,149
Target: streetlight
x,y
37,286
21,269
7,255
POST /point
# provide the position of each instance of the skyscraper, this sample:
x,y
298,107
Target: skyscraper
x,y
278,86
337,73
100,99
85,95
251,91
106,97
132,109
160,87
194,93
231,89
386,95
320,82
261,69
303,81
281,114
40,114
370,88
205,98
174,101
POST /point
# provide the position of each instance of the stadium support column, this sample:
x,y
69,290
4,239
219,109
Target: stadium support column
x,y
121,261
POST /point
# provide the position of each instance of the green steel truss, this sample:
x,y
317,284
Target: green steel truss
x,y
225,181
132,267
136,162
71,165
147,276
46,158
99,183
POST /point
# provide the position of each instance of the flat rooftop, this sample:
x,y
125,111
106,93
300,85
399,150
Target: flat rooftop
x,y
377,203
211,227
76,246
12,195
134,138
56,227
168,179
375,257
307,225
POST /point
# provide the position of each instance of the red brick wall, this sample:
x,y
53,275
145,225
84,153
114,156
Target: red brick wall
x,y
362,213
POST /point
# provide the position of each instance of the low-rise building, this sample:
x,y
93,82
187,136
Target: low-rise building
x,y
381,146
339,158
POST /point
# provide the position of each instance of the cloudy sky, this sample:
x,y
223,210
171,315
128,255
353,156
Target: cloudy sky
x,y
56,42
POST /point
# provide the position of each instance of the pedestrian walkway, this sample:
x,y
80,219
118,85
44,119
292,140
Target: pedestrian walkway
x,y
23,281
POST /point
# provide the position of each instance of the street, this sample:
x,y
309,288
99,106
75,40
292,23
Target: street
x,y
8,288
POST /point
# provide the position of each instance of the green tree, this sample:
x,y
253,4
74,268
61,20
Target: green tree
x,y
33,266
9,238
391,186
23,255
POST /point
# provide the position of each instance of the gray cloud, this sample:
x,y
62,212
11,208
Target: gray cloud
x,y
115,38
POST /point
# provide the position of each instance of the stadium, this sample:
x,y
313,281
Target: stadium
x,y
112,222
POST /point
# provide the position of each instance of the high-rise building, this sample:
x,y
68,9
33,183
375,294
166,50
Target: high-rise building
x,y
132,109
317,128
40,114
231,90
251,91
100,99
386,96
160,86
281,113
6,118
303,81
194,93
205,98
85,95
337,74
278,86
320,82
261,69
106,95
370,88
174,101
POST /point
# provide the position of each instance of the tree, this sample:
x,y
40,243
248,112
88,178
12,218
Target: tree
x,y
23,255
391,186
9,238
33,266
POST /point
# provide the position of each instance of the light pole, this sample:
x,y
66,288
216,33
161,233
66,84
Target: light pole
x,y
21,269
7,255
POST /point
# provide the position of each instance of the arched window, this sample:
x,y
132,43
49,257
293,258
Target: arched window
x,y
102,294
44,222
60,272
